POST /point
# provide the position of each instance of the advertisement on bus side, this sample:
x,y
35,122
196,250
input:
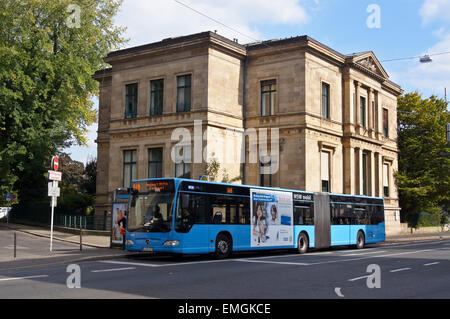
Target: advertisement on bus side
x,y
272,218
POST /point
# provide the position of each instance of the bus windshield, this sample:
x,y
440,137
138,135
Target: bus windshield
x,y
150,211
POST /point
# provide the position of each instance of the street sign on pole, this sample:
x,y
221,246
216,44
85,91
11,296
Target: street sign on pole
x,y
55,163
54,176
53,191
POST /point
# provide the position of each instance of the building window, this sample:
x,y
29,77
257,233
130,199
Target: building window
x,y
155,162
325,171
183,161
129,167
156,96
386,180
131,100
364,174
385,123
363,110
268,97
325,100
184,93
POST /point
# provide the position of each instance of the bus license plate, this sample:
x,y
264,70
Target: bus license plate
x,y
148,249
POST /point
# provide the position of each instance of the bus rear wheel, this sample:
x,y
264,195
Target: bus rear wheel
x,y
223,246
303,243
360,240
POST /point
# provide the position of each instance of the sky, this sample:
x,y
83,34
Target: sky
x,y
391,29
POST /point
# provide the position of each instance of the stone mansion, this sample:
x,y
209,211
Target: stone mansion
x,y
335,116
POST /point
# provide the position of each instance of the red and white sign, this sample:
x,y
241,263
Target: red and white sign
x,y
55,163
54,176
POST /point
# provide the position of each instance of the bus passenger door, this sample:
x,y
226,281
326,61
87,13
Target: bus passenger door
x,y
194,229
341,224
322,220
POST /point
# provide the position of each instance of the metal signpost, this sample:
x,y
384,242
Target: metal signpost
x,y
53,191
8,199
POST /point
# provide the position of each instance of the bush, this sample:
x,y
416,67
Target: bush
x,y
430,217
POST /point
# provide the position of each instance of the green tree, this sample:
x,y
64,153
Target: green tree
x,y
212,170
89,182
423,176
77,191
72,172
46,84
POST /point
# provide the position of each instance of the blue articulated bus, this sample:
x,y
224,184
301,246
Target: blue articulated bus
x,y
173,215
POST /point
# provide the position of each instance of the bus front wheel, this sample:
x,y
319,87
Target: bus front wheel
x,y
303,243
223,246
360,240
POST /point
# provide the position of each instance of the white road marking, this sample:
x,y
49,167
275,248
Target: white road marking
x,y
361,254
18,278
164,265
271,262
368,257
128,263
338,292
430,264
358,278
113,269
257,259
401,269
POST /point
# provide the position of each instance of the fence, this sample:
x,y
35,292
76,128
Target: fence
x,y
39,214
87,222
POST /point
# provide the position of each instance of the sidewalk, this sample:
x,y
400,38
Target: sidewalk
x,y
414,237
33,247
96,241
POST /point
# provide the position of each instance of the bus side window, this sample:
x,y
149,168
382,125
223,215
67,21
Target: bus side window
x,y
244,208
218,209
233,217
303,214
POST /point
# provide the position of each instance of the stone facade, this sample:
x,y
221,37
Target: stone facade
x,y
335,115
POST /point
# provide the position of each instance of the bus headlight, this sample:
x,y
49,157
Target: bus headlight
x,y
171,243
129,242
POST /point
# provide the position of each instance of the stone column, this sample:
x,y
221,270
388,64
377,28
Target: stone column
x,y
369,109
376,115
379,160
141,162
349,170
348,101
372,173
358,171
358,103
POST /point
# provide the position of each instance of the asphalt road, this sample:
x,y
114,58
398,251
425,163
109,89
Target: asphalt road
x,y
407,270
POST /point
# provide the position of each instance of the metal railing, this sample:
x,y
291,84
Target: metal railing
x,y
86,222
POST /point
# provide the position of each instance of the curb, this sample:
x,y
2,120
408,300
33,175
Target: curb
x,y
403,239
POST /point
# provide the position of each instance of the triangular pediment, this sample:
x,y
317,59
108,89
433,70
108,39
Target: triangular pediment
x,y
369,62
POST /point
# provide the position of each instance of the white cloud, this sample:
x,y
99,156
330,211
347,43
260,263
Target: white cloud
x,y
150,21
435,10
